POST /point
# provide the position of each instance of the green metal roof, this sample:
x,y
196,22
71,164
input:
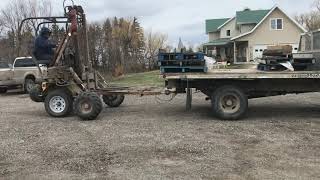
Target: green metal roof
x,y
218,42
251,16
213,24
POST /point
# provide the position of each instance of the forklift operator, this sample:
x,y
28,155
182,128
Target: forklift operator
x,y
44,48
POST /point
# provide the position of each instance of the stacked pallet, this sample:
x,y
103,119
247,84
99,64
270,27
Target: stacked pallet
x,y
273,56
182,62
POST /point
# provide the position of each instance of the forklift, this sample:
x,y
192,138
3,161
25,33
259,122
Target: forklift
x,y
71,85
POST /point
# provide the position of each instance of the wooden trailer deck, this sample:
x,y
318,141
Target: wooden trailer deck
x,y
245,74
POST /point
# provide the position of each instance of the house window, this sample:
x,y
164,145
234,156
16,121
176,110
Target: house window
x,y
276,24
228,32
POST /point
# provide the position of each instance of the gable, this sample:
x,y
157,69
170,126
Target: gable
x,y
231,25
263,34
212,25
251,16
295,26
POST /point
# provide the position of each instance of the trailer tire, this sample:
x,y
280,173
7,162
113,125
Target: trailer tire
x,y
87,106
113,101
35,94
229,103
58,103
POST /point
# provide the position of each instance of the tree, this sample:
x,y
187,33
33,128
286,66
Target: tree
x,y
153,43
311,19
11,17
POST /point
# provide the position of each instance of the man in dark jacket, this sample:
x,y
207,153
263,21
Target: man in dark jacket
x,y
44,48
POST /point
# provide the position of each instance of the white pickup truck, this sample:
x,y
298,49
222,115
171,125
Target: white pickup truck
x,y
23,74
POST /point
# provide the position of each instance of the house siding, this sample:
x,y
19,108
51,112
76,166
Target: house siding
x,y
264,35
214,36
244,28
229,26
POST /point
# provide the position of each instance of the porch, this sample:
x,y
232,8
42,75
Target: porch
x,y
225,50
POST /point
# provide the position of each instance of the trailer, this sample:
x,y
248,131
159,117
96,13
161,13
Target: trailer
x,y
230,89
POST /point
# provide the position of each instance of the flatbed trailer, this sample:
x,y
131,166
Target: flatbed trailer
x,y
230,89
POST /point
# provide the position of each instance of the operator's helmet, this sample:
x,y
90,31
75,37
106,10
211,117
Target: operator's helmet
x,y
45,30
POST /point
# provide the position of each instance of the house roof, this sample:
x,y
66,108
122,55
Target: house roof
x,y
251,16
264,18
218,42
212,25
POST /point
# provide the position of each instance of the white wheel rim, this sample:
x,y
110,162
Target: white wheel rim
x,y
29,86
57,104
230,103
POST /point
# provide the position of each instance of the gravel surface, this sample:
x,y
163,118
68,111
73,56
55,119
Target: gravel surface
x,y
145,139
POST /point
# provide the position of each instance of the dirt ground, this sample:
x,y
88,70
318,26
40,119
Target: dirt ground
x,y
144,139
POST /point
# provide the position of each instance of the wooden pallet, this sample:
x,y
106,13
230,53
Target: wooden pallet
x,y
186,69
182,63
180,56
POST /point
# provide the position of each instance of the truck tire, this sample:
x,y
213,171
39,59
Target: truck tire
x,y
87,106
28,85
35,94
58,103
3,90
113,100
229,103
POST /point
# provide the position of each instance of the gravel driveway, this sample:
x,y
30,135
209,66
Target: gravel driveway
x,y
145,139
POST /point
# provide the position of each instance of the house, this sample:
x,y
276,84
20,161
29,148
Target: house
x,y
243,38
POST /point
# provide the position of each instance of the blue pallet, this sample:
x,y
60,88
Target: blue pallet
x,y
177,69
180,56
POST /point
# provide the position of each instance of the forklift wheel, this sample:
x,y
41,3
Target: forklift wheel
x,y
35,94
58,103
87,106
113,100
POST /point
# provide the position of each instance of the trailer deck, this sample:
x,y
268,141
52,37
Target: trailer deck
x,y
230,89
245,74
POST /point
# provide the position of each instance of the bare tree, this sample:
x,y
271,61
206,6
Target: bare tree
x,y
154,42
11,17
311,19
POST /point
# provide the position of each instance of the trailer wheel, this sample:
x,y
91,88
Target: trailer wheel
x,y
229,103
113,100
87,106
35,94
58,103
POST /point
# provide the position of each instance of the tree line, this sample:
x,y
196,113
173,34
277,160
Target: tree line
x,y
311,19
116,45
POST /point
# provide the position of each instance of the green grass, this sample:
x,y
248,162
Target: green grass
x,y
151,78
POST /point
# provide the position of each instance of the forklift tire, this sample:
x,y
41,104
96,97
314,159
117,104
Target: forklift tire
x,y
35,94
113,101
87,106
229,103
58,103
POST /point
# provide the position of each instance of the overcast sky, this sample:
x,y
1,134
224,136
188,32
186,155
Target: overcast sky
x,y
178,18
